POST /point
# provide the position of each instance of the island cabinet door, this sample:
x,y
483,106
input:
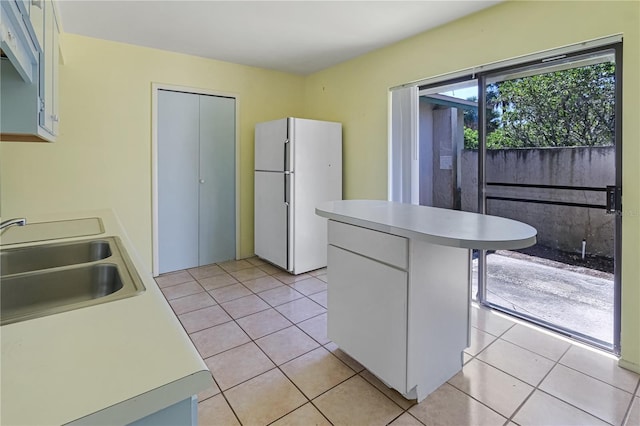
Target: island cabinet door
x,y
367,313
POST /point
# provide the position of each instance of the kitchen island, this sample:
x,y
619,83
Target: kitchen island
x,y
399,286
124,361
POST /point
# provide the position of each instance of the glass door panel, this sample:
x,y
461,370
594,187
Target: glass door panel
x,y
549,159
448,143
448,149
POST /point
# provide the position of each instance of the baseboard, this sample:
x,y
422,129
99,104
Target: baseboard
x,y
629,366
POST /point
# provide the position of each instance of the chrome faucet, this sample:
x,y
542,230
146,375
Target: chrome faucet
x,y
17,221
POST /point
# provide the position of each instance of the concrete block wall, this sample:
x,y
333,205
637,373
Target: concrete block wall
x,y
558,227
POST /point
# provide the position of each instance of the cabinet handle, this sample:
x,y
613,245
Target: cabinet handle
x,y
54,117
11,39
37,3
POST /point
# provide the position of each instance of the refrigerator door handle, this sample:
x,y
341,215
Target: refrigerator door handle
x,y
287,187
288,202
286,155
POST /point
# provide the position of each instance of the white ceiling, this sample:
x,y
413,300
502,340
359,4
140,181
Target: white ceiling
x,y
293,36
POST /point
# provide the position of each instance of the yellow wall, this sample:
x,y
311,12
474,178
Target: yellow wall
x,y
103,155
356,93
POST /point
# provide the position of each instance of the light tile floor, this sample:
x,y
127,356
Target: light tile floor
x,y
262,333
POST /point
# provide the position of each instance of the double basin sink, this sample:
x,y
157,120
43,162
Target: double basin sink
x,y
46,279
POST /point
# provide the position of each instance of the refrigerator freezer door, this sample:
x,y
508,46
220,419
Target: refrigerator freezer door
x,y
272,217
271,150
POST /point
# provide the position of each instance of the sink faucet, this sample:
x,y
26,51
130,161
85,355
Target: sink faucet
x,y
18,221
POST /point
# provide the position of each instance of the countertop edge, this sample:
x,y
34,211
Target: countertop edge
x,y
497,244
147,403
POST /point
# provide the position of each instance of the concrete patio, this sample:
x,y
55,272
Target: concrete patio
x,y
577,298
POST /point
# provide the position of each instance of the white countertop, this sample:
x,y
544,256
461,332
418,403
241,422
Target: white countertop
x,y
107,364
434,225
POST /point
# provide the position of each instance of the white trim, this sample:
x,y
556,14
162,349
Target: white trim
x,y
415,149
403,146
572,48
389,148
155,257
154,161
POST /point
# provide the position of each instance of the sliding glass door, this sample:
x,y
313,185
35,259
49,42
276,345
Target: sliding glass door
x,y
539,142
549,156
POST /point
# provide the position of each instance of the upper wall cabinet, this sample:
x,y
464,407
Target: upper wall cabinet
x,y
49,71
36,16
16,39
29,108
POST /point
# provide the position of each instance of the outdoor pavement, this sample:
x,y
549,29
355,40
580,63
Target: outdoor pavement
x,y
578,299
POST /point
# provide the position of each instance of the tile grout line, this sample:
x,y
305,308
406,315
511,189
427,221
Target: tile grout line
x,y
536,387
194,310
479,360
290,285
355,373
219,389
599,379
497,337
222,392
627,413
404,410
320,345
473,357
175,284
308,400
486,347
235,320
252,340
534,352
556,363
228,403
400,415
477,400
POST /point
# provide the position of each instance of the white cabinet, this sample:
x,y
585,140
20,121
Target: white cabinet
x,y
29,110
16,39
382,253
368,314
48,118
399,306
36,16
23,6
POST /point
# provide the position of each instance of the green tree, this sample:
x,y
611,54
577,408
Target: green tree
x,y
495,140
574,107
471,122
470,138
470,116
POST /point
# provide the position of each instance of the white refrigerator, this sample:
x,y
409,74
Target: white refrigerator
x,y
298,165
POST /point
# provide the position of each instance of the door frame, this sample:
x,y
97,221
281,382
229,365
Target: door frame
x,y
479,73
617,246
155,87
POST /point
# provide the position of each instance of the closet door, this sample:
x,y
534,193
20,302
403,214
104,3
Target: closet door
x,y
178,189
217,164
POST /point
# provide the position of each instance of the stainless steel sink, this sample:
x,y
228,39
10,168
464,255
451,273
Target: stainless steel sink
x,y
28,293
47,256
52,278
